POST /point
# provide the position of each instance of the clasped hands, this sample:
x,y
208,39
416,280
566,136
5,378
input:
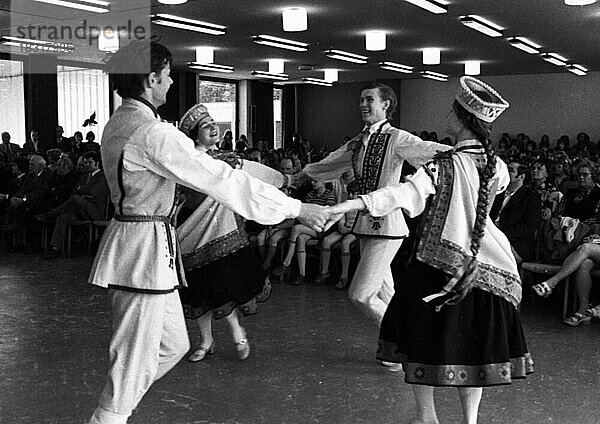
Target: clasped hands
x,y
321,218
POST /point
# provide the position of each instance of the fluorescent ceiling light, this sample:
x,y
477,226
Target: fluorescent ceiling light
x,y
577,69
348,57
97,6
281,43
316,81
396,67
434,76
554,59
579,2
330,75
37,46
375,41
263,74
431,56
482,25
212,67
432,6
108,40
276,66
172,1
294,19
187,24
472,67
524,44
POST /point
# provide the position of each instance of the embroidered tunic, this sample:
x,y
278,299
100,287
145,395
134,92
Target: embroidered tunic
x,y
446,236
144,159
376,160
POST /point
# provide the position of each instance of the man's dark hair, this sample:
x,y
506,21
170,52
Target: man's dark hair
x,y
22,164
94,155
386,93
137,55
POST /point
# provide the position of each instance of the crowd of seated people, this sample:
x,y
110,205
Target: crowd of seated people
x,y
43,175
553,188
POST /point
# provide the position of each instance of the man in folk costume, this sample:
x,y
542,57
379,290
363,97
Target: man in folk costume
x,y
376,156
138,259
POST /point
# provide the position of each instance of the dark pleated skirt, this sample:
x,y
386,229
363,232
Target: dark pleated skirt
x,y
235,281
477,343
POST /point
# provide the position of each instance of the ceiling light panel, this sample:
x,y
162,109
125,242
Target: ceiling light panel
x,y
524,44
577,69
281,43
434,75
211,67
346,56
431,56
268,75
554,59
482,25
579,2
187,24
97,6
472,67
396,67
432,6
316,81
375,41
330,75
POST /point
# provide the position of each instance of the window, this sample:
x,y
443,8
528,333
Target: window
x,y
12,101
220,100
81,93
277,124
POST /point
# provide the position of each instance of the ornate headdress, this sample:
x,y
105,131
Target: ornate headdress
x,y
197,115
468,98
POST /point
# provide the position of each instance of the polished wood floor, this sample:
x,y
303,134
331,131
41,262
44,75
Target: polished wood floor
x,y
312,361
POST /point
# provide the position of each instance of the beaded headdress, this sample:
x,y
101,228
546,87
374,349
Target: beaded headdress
x,y
484,110
197,115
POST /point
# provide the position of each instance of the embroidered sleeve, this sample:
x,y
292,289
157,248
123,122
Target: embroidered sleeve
x,y
411,196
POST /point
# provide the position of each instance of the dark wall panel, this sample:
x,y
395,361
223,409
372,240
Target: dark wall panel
x,y
41,95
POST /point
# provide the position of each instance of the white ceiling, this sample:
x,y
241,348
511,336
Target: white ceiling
x,y
573,32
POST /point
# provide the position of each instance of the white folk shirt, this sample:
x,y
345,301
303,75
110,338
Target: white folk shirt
x,y
144,159
402,146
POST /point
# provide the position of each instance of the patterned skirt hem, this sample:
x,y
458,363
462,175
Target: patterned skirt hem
x,y
248,308
457,375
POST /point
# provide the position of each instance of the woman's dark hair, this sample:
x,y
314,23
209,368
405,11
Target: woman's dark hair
x,y
126,65
482,131
545,141
386,93
565,140
193,133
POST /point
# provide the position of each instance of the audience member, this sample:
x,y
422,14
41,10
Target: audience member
x,y
517,212
88,201
582,202
90,145
65,182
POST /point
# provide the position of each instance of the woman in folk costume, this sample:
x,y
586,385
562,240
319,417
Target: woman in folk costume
x,y
223,273
453,321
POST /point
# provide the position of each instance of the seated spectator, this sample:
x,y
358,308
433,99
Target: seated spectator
x,y
90,145
88,201
583,148
561,178
295,157
344,236
254,155
20,167
550,196
61,143
33,196
563,144
300,234
242,144
582,202
52,157
286,166
8,153
580,262
503,148
35,146
227,142
433,137
517,212
544,147
64,183
77,146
